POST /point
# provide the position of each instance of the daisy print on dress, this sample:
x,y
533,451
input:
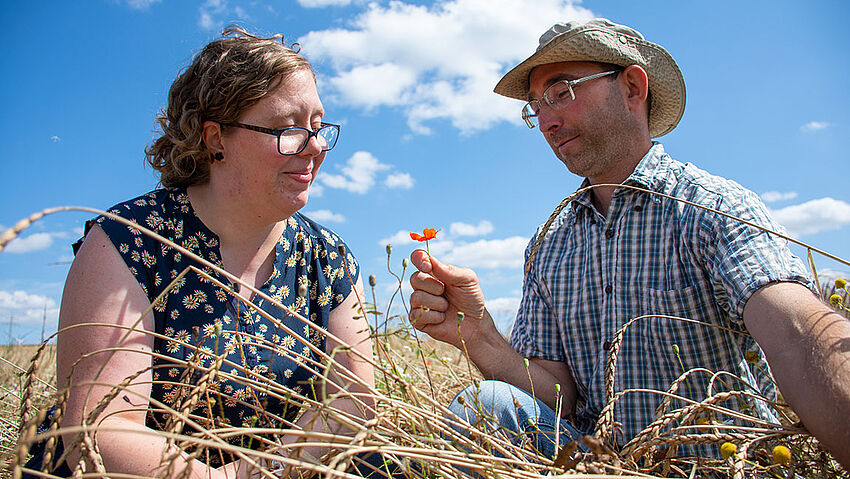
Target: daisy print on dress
x,y
196,316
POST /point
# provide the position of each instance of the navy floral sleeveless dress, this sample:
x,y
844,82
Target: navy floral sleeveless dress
x,y
264,360
200,320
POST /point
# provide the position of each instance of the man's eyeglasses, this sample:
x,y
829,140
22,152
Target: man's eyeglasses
x,y
558,95
293,140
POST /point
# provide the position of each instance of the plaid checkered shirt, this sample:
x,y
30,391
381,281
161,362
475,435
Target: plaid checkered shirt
x,y
654,256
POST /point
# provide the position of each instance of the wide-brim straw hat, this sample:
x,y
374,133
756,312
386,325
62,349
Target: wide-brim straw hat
x,y
601,40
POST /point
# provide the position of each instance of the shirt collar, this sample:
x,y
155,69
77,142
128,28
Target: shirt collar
x,y
649,174
650,171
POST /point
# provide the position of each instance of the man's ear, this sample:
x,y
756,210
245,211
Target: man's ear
x,y
211,135
636,83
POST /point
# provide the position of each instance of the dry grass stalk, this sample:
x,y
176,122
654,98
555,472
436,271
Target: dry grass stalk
x,y
416,379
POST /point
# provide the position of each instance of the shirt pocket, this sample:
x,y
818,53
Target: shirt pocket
x,y
672,338
685,301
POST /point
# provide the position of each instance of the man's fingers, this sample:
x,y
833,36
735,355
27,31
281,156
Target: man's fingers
x,y
421,260
426,283
448,274
422,317
421,299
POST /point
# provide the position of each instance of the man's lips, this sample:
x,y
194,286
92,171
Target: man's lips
x,y
563,142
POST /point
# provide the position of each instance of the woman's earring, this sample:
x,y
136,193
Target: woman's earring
x,y
218,156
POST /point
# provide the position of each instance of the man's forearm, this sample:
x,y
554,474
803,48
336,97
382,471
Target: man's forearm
x,y
808,348
497,360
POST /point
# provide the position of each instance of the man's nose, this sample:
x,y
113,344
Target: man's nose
x,y
548,118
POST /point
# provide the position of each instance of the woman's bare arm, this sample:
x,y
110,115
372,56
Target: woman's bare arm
x,y
100,289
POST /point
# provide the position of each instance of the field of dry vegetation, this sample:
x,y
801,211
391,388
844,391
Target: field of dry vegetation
x,y
416,379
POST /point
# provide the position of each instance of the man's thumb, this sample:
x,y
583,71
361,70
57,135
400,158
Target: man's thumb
x,y
446,273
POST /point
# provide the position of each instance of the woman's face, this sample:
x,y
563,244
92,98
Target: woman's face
x,y
264,182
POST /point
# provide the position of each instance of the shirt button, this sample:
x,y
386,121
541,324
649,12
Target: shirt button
x,y
606,345
609,289
637,208
609,233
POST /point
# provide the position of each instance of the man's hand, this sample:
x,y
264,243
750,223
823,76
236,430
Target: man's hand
x,y
440,291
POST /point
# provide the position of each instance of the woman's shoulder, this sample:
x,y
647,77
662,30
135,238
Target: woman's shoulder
x,y
153,210
157,202
326,248
299,223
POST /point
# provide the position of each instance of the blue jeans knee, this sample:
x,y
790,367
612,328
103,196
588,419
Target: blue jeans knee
x,y
492,405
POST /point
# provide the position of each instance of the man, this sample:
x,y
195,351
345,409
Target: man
x,y
599,93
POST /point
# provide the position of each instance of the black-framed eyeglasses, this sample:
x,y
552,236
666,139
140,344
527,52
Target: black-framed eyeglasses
x,y
293,140
557,95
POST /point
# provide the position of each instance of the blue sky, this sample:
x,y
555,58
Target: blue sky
x,y
424,141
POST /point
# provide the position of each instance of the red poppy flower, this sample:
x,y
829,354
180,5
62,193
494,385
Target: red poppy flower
x,y
427,234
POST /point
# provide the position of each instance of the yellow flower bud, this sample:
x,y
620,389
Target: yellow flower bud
x,y
460,317
372,280
703,421
727,450
840,283
751,356
404,263
676,349
781,455
389,249
835,300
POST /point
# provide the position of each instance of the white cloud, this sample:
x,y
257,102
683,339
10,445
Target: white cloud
x,y
323,216
488,254
209,12
401,237
33,242
399,180
323,3
774,196
463,229
503,311
437,62
358,174
141,4
241,13
27,308
316,190
510,304
481,254
814,126
55,139
813,216
358,86
827,277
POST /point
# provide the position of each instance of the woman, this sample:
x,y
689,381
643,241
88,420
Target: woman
x,y
242,141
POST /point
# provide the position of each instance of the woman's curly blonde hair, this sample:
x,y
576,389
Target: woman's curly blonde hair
x,y
226,78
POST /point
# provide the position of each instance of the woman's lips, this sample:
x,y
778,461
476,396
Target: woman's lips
x,y
305,176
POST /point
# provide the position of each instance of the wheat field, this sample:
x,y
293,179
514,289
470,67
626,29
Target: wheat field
x,y
416,378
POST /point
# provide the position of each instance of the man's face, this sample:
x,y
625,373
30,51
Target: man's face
x,y
588,134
